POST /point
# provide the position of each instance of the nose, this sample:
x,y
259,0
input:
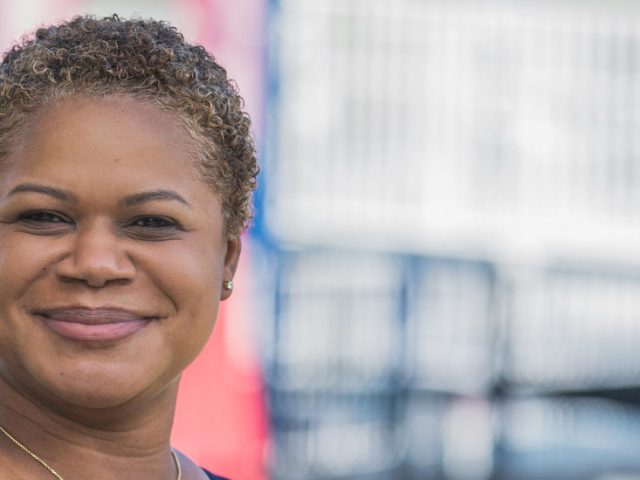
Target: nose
x,y
96,258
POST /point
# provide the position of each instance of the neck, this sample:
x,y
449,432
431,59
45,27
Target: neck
x,y
128,441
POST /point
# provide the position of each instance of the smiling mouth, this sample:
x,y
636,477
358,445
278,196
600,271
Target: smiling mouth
x,y
93,324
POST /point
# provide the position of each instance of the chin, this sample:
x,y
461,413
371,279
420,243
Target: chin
x,y
92,399
94,387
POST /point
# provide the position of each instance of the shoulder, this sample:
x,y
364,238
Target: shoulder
x,y
212,476
192,471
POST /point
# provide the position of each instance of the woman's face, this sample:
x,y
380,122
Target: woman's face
x,y
112,254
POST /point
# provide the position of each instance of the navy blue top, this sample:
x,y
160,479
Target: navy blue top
x,y
212,476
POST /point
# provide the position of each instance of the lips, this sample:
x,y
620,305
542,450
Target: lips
x,y
93,324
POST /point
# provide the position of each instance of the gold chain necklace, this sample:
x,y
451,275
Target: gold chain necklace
x,y
26,450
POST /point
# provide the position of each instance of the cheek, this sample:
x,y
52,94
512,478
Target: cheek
x,y
189,272
24,261
191,278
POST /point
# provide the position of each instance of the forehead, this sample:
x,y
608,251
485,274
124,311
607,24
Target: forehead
x,y
92,136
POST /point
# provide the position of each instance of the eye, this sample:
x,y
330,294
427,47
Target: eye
x,y
153,228
154,222
44,221
46,217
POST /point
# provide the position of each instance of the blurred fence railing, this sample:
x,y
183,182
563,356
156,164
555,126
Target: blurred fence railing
x,y
452,209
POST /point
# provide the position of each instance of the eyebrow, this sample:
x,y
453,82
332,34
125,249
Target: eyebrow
x,y
128,201
57,193
143,197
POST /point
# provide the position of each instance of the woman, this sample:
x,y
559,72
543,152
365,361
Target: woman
x,y
126,173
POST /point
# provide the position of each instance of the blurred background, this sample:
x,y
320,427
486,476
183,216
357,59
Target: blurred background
x,y
443,278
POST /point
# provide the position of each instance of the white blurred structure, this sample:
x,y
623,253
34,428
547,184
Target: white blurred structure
x,y
500,129
453,199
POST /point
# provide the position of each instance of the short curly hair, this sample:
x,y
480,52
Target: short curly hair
x,y
147,60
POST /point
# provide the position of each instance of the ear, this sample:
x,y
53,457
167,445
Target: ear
x,y
230,263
